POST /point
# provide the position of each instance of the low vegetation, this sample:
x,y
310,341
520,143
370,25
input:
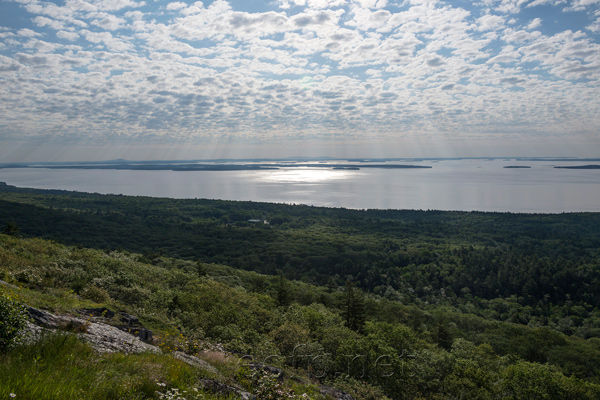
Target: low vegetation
x,y
397,350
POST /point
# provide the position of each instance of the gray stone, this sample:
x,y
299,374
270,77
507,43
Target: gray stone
x,y
129,319
51,321
102,337
196,362
222,389
108,339
334,393
277,372
97,312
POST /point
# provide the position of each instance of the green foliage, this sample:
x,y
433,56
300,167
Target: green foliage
x,y
353,308
527,269
13,319
11,229
443,305
288,336
61,367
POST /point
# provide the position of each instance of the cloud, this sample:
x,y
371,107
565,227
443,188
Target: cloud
x,y
581,5
299,68
108,21
28,33
32,60
71,36
490,22
535,23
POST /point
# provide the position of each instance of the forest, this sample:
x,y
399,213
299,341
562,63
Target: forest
x,y
459,304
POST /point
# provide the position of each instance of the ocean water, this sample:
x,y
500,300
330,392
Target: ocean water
x,y
467,185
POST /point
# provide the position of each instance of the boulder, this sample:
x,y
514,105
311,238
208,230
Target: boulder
x,y
267,368
334,393
97,312
102,337
224,390
48,320
129,319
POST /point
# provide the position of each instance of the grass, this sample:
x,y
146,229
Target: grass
x,y
62,367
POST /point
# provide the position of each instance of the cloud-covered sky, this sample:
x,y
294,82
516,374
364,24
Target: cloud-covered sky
x,y
156,79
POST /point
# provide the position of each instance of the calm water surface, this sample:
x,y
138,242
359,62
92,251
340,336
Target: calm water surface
x,y
450,185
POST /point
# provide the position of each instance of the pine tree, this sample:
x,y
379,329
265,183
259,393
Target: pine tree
x,y
200,269
354,308
443,336
283,291
11,229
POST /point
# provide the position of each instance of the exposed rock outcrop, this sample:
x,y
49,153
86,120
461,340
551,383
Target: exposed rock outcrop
x,y
225,390
196,362
334,393
276,372
103,337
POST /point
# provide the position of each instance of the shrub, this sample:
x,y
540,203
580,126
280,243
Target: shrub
x,y
13,319
95,293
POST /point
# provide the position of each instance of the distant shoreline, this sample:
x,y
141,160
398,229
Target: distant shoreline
x,y
217,167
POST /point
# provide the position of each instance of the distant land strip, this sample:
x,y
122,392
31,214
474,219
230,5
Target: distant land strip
x,y
213,167
579,167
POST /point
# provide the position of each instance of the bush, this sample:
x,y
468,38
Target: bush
x,y
13,319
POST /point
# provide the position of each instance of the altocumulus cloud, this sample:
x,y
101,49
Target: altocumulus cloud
x,y
107,71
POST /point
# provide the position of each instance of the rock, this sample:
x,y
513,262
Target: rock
x,y
139,331
97,312
102,337
129,319
6,283
196,362
145,335
334,393
224,390
47,320
109,339
267,368
33,333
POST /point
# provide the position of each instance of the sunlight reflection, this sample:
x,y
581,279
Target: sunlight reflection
x,y
307,175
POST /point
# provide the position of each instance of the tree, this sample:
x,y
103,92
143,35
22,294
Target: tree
x,y
354,308
283,291
443,336
11,229
200,269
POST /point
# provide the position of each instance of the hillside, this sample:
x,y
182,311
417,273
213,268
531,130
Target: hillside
x,y
418,305
400,350
536,269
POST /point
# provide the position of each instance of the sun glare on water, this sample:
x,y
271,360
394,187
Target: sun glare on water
x,y
307,175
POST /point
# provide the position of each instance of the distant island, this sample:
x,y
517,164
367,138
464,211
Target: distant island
x,y
517,166
580,167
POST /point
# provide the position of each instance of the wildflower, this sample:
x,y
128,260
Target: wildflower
x,y
13,395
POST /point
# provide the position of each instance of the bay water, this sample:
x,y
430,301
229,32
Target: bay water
x,y
466,185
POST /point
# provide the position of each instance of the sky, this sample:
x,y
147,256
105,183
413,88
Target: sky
x,y
104,79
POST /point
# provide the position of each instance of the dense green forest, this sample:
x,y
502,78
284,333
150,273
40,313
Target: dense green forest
x,y
458,304
536,269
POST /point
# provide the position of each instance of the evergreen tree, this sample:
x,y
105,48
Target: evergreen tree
x,y
200,269
283,292
11,229
443,336
354,308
